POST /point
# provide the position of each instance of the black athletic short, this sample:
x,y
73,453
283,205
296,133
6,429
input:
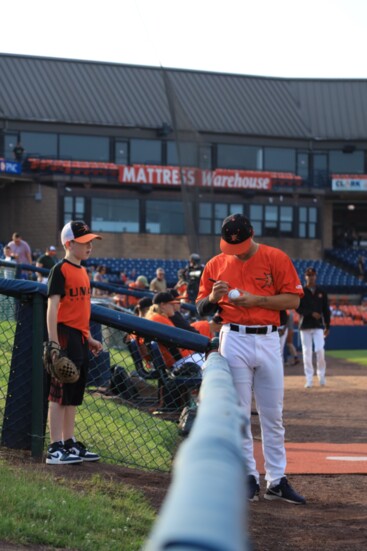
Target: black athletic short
x,y
76,345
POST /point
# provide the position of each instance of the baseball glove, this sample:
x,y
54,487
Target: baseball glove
x,y
57,364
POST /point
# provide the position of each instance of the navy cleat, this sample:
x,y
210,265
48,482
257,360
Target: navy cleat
x,y
253,488
284,492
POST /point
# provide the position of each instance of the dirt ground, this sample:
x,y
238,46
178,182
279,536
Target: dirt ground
x,y
335,516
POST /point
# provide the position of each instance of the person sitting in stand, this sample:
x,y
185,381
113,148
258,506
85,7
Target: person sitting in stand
x,y
162,310
100,277
47,261
159,283
208,327
181,285
130,301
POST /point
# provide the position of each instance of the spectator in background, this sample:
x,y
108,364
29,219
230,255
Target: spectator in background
x,y
21,252
123,278
129,301
143,306
292,350
47,261
193,274
361,268
100,277
159,283
181,285
178,319
8,272
18,152
314,327
161,311
208,327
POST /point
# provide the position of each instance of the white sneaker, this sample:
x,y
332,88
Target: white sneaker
x,y
58,455
308,385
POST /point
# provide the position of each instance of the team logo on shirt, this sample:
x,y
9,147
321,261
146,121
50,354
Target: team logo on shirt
x,y
267,280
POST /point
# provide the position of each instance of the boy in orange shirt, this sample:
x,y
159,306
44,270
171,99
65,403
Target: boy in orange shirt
x,y
68,315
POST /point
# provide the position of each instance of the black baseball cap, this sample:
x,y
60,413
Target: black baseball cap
x,y
236,234
310,271
145,302
164,297
79,231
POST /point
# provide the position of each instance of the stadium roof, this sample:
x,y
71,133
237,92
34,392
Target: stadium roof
x,y
42,89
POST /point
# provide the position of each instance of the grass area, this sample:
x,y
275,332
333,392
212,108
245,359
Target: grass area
x,y
86,515
356,356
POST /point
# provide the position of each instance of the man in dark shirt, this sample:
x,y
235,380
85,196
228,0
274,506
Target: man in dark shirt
x,y
47,261
314,327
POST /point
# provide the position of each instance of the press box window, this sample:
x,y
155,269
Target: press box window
x,y
165,217
115,215
84,148
145,152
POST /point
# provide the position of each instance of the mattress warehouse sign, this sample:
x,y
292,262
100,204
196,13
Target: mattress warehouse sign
x,y
168,175
220,178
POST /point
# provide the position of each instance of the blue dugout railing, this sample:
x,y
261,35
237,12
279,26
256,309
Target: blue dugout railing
x,y
111,288
205,508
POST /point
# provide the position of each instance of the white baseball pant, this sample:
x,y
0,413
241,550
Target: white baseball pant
x,y
313,339
256,366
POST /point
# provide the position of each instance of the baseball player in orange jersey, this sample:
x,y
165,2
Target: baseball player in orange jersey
x,y
267,283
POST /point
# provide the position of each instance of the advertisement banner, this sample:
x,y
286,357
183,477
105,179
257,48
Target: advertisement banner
x,y
10,167
349,182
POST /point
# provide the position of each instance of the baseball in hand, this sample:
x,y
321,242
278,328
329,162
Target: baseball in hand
x,y
234,293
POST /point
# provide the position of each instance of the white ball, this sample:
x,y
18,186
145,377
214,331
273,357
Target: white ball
x,y
234,293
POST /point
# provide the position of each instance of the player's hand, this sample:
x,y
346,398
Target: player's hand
x,y
316,315
219,289
246,299
326,332
94,346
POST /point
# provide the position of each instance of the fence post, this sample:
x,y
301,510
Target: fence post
x,y
37,438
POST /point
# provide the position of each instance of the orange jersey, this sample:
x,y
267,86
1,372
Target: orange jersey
x,y
169,360
268,272
72,283
203,326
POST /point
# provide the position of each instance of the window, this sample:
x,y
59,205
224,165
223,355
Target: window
x,y
188,154
9,144
271,220
346,163
121,152
239,156
84,148
165,217
302,165
307,226
39,144
279,159
211,216
205,156
256,218
320,170
115,215
286,221
146,152
74,208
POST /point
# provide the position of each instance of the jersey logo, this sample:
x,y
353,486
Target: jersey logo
x,y
79,292
267,280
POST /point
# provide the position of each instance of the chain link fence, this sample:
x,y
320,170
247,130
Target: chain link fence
x,y
133,402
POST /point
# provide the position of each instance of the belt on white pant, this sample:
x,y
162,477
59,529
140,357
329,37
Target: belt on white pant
x,y
262,330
